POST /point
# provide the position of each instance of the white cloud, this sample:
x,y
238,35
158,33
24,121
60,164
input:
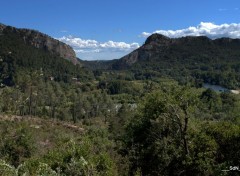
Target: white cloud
x,y
84,48
119,45
208,29
78,43
81,44
86,51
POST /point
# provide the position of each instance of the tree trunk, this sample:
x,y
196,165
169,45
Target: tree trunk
x,y
185,133
30,102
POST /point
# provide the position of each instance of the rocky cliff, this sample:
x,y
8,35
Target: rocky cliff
x,y
42,41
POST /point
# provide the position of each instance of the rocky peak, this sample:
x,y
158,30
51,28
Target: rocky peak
x,y
43,41
158,39
2,27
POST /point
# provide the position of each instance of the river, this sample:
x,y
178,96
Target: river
x,y
216,88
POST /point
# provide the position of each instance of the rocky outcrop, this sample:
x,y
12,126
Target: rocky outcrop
x,y
158,39
2,27
154,44
42,41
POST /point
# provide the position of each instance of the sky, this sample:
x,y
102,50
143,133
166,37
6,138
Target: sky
x,y
110,29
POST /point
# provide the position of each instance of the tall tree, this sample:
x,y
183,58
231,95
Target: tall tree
x,y
159,133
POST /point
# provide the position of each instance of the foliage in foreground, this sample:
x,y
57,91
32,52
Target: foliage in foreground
x,y
175,131
168,136
69,154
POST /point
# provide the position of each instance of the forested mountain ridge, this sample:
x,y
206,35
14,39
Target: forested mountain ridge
x,y
42,41
158,46
25,52
198,58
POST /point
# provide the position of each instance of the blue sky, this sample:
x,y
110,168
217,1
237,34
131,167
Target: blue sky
x,y
109,29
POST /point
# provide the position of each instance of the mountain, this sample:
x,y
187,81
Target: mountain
x,y
41,41
25,52
213,61
157,47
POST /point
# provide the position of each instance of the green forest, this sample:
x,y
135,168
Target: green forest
x,y
58,118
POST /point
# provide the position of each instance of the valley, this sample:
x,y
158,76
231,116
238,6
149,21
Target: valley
x,y
152,112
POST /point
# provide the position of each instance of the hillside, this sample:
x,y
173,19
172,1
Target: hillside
x,y
41,41
31,147
186,59
26,52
